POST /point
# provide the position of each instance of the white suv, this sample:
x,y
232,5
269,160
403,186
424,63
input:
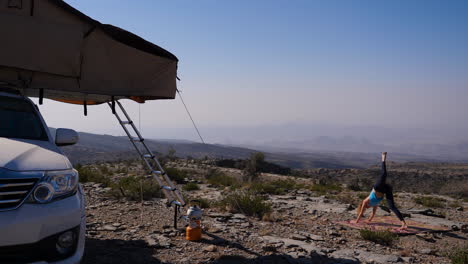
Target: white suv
x,y
42,207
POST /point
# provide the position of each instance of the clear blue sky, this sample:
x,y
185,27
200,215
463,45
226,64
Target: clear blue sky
x,y
247,63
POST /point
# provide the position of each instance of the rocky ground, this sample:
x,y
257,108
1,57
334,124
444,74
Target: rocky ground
x,y
301,229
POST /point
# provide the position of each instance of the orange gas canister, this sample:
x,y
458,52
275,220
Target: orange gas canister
x,y
193,231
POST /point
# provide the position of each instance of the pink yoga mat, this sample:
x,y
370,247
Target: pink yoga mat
x,y
392,224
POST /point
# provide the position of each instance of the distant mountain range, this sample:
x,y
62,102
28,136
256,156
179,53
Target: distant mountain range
x,y
451,152
96,148
434,142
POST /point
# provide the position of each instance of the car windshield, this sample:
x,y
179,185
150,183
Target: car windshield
x,y
19,120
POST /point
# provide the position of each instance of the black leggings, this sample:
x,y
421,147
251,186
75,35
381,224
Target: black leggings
x,y
382,187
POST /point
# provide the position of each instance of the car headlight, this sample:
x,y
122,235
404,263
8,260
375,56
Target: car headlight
x,y
56,184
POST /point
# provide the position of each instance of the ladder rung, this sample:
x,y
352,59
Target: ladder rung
x,y
177,203
169,188
126,122
148,156
137,139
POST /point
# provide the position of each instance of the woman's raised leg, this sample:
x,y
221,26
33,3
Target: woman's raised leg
x,y
380,184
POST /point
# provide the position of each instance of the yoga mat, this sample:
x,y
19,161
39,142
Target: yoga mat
x,y
392,224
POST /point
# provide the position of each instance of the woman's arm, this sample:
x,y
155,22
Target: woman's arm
x,y
374,209
361,212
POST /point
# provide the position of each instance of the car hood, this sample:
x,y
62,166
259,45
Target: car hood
x,y
31,155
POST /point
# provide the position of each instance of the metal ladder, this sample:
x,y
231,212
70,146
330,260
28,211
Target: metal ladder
x,y
169,189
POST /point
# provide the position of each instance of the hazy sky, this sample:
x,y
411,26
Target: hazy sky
x,y
249,63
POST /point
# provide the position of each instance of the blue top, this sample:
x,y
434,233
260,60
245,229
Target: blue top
x,y
373,199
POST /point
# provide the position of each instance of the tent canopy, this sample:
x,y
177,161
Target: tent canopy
x,y
52,50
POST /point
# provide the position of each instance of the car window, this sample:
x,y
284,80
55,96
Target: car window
x,y
19,120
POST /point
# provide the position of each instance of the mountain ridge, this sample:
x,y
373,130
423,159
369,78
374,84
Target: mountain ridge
x,y
99,148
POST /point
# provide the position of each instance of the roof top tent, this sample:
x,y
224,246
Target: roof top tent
x,y
50,50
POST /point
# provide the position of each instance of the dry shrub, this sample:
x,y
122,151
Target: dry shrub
x,y
380,237
246,203
429,201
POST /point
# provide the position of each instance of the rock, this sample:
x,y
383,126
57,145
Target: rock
x,y
291,243
459,209
408,259
312,236
342,241
298,237
333,233
425,251
426,237
116,224
151,242
271,248
464,228
384,259
245,225
427,212
344,256
214,230
210,248
369,257
109,228
158,241
238,216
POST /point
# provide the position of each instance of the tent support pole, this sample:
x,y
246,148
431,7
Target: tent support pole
x,y
41,96
85,108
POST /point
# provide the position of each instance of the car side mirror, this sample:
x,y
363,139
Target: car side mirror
x,y
65,137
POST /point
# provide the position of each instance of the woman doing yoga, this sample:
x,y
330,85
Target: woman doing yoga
x,y
380,189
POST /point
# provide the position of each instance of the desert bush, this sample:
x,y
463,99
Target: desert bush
x,y
429,201
455,204
345,198
171,154
231,163
202,203
354,186
176,175
191,186
218,178
459,255
325,188
89,174
380,237
362,195
252,166
260,164
246,203
273,187
134,188
104,169
122,170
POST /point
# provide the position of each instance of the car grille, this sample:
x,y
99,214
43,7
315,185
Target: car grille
x,y
14,191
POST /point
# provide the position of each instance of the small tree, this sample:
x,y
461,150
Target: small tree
x,y
253,166
171,154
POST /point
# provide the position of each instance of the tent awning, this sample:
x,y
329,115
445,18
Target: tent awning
x,y
50,48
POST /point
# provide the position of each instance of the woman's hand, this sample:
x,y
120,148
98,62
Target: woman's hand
x,y
403,225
